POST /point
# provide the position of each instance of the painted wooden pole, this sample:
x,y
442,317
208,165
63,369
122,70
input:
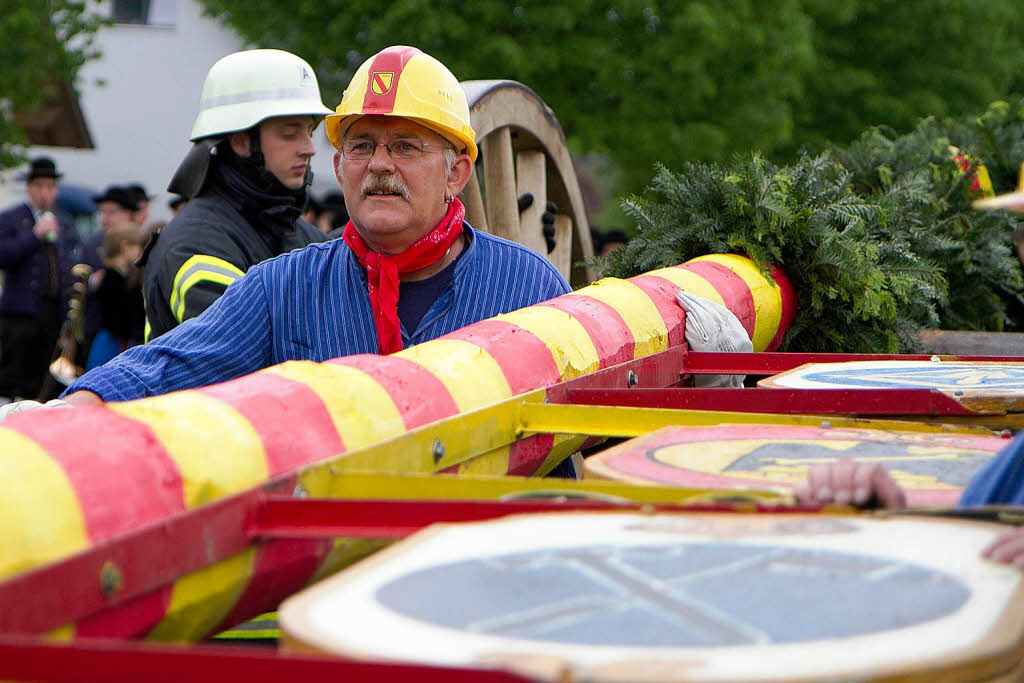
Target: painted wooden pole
x,y
74,478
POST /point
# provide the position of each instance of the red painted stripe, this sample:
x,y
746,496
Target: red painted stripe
x,y
132,619
523,357
274,406
281,568
108,450
662,293
610,334
526,455
419,396
393,60
789,301
732,288
100,451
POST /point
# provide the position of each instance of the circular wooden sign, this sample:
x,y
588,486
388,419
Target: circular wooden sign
x,y
608,596
933,468
980,385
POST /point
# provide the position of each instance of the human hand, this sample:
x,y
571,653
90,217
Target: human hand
x,y
1007,549
849,482
23,406
46,227
710,326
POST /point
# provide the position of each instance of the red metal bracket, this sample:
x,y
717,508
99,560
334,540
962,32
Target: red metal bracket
x,y
782,401
117,661
765,363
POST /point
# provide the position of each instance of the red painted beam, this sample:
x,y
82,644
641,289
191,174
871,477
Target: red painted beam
x,y
782,401
113,661
60,593
321,518
765,363
115,571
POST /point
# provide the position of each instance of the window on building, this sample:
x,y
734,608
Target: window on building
x,y
143,12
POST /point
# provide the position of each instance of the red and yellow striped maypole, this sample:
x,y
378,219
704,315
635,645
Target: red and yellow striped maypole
x,y
74,478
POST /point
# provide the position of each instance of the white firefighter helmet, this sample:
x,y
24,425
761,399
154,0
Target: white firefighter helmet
x,y
247,87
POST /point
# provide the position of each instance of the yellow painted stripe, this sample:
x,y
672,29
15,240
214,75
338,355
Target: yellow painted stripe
x,y
637,310
690,282
40,516
471,375
201,600
347,551
767,297
565,445
362,411
217,450
491,464
565,337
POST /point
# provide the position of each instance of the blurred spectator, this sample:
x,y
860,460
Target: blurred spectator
x,y
311,211
122,317
37,242
117,206
334,216
607,241
176,203
138,192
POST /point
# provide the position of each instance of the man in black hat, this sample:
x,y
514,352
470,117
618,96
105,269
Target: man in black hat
x,y
36,246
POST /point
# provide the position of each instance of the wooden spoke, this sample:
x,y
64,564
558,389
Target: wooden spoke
x,y
523,150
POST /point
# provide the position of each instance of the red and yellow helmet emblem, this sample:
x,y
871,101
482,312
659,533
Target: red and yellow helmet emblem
x,y
381,82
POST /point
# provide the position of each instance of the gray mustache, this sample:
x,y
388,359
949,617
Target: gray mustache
x,y
383,182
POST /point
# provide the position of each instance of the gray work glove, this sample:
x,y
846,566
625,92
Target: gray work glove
x,y
21,406
711,326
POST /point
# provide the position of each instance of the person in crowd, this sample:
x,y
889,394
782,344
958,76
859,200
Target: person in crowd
x,y
117,208
607,241
246,179
37,243
334,216
312,210
999,482
142,198
122,318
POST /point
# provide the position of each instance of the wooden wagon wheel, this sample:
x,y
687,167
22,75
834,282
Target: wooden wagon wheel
x,y
522,149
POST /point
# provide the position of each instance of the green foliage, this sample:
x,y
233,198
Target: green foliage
x,y
879,238
699,80
857,292
637,80
42,43
932,212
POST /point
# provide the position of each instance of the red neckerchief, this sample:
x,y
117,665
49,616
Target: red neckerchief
x,y
382,270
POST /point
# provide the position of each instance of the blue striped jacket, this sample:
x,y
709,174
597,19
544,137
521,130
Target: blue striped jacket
x,y
312,304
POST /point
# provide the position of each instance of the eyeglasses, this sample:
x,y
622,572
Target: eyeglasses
x,y
399,148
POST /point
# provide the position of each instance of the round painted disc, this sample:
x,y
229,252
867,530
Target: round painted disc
x,y
963,381
708,597
933,468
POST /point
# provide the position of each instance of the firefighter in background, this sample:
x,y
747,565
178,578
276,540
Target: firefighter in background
x,y
245,178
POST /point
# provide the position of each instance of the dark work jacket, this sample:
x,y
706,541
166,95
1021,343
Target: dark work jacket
x,y
25,260
204,248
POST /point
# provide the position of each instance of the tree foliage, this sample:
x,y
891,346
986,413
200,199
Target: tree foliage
x,y
646,81
878,237
858,290
42,44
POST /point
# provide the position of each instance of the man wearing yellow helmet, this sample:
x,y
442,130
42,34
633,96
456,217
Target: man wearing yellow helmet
x,y
408,270
247,173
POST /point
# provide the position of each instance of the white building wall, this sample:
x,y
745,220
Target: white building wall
x,y
139,101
